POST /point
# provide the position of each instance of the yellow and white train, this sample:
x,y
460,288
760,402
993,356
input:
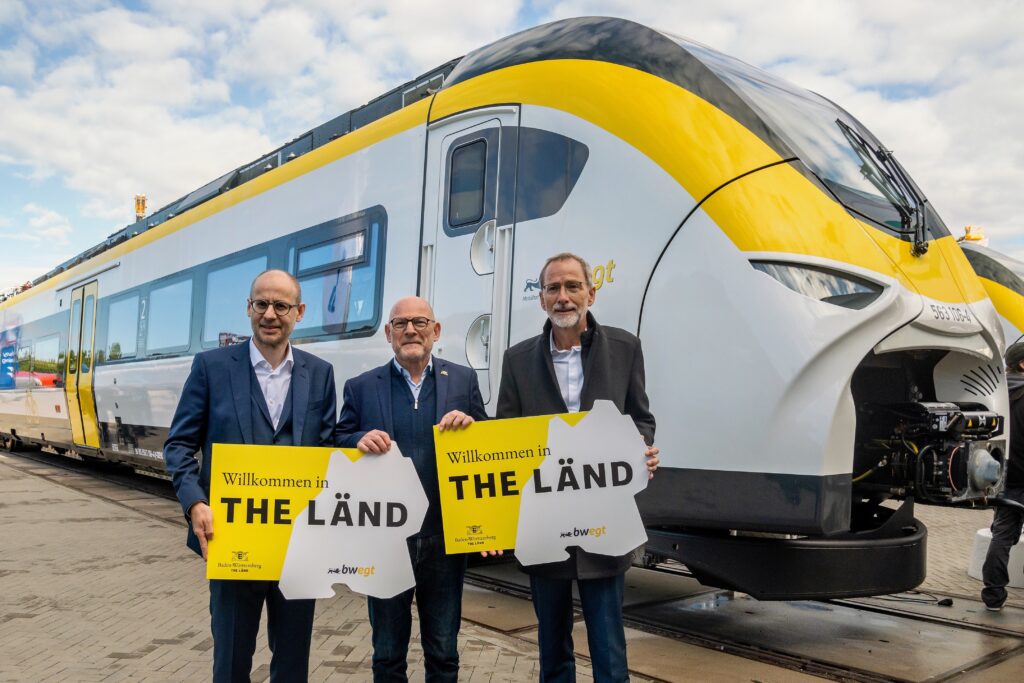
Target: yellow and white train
x,y
816,342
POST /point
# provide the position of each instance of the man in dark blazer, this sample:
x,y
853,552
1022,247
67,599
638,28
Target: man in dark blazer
x,y
572,363
400,402
262,392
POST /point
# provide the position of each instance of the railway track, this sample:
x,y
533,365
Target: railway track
x,y
911,637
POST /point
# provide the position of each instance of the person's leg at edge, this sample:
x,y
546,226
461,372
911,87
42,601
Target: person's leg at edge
x,y
552,602
235,608
289,632
1006,528
606,635
439,580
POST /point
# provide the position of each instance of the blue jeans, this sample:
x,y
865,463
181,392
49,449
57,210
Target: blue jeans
x,y
602,613
438,594
235,608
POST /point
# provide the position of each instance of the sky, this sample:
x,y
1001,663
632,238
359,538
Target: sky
x,y
102,100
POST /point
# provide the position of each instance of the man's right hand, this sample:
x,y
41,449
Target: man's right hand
x,y
202,523
375,441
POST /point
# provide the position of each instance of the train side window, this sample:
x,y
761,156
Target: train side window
x,y
169,317
341,276
227,289
467,177
47,364
23,376
123,328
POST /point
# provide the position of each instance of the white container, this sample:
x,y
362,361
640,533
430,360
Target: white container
x,y
1016,566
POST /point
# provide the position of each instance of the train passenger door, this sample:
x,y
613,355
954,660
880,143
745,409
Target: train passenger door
x,y
79,366
469,210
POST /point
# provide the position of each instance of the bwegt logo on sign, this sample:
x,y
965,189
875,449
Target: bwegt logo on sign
x,y
594,531
346,570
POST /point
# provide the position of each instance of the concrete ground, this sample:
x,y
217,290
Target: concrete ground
x,y
96,584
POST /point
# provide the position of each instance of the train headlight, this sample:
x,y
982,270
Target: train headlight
x,y
839,289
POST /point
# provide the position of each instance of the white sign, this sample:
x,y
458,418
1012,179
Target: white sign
x,y
357,531
583,493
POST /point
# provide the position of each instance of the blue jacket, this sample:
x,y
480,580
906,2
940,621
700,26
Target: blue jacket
x,y
367,400
216,407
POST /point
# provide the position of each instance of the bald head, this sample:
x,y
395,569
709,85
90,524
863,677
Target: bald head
x,y
279,278
412,331
411,307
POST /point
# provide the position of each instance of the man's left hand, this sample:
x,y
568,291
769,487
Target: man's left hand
x,y
652,460
455,419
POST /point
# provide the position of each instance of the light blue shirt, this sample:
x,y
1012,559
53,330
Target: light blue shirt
x,y
569,373
413,386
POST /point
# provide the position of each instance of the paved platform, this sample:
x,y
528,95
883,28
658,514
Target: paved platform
x,y
96,585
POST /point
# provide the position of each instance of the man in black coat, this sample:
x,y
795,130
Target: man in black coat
x,y
1007,522
572,363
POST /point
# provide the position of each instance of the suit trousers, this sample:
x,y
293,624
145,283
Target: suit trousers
x,y
235,608
602,612
1006,528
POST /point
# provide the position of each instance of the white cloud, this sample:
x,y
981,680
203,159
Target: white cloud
x,y
162,99
47,226
280,44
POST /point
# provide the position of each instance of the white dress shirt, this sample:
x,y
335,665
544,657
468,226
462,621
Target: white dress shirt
x,y
569,373
274,382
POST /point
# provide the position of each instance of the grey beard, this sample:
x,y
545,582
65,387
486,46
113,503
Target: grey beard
x,y
563,320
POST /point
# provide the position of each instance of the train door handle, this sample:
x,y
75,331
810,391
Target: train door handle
x,y
481,251
478,342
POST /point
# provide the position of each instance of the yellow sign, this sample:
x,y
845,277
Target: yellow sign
x,y
256,492
481,472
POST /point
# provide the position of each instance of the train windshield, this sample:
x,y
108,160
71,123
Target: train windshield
x,y
835,146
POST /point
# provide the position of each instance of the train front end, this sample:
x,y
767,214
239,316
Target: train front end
x,y
834,352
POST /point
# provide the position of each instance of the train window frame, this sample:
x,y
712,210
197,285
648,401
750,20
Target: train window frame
x,y
372,256
262,251
330,265
110,303
58,360
491,136
479,189
156,285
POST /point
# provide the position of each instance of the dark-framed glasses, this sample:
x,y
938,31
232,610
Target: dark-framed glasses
x,y
280,307
571,287
420,323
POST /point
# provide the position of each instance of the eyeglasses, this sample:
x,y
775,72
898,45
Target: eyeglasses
x,y
571,287
280,307
419,323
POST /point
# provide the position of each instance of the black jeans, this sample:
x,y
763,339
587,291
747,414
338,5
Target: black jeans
x,y
438,594
1006,528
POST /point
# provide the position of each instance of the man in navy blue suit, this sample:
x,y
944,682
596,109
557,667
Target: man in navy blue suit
x,y
401,401
263,392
